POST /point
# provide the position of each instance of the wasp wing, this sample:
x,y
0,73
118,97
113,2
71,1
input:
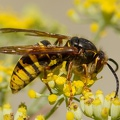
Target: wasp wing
x,y
34,49
34,33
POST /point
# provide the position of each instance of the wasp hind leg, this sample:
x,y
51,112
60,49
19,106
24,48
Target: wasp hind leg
x,y
69,82
86,77
45,78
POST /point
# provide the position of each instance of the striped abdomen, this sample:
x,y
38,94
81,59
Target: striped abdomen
x,y
26,70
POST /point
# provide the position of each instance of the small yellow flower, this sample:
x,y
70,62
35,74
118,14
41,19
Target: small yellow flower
x,y
100,107
8,117
69,115
99,94
74,108
40,117
21,113
94,27
63,69
52,98
73,15
7,109
60,80
68,91
105,112
33,94
115,109
78,86
108,7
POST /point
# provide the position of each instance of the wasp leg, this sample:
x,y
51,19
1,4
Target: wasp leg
x,y
85,67
59,41
45,77
69,82
85,80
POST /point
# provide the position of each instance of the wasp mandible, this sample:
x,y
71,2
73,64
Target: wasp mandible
x,y
81,55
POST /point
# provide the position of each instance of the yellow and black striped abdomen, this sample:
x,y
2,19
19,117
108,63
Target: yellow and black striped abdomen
x,y
26,70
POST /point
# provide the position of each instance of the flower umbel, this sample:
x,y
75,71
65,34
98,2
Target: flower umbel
x,y
100,107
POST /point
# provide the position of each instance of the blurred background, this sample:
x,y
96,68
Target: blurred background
x,y
63,17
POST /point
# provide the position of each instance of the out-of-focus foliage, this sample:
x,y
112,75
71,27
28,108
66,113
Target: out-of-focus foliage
x,y
99,14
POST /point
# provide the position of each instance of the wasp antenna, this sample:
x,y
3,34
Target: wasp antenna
x,y
117,66
116,78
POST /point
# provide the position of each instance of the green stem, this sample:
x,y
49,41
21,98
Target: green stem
x,y
2,98
56,106
36,103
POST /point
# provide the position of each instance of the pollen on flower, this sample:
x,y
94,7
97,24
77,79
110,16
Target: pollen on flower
x,y
52,98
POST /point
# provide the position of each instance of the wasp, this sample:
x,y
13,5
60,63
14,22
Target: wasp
x,y
81,56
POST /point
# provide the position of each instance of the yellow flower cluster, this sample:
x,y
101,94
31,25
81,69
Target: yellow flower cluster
x,y
74,112
100,107
95,106
30,18
60,86
11,20
5,73
100,14
21,114
107,6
